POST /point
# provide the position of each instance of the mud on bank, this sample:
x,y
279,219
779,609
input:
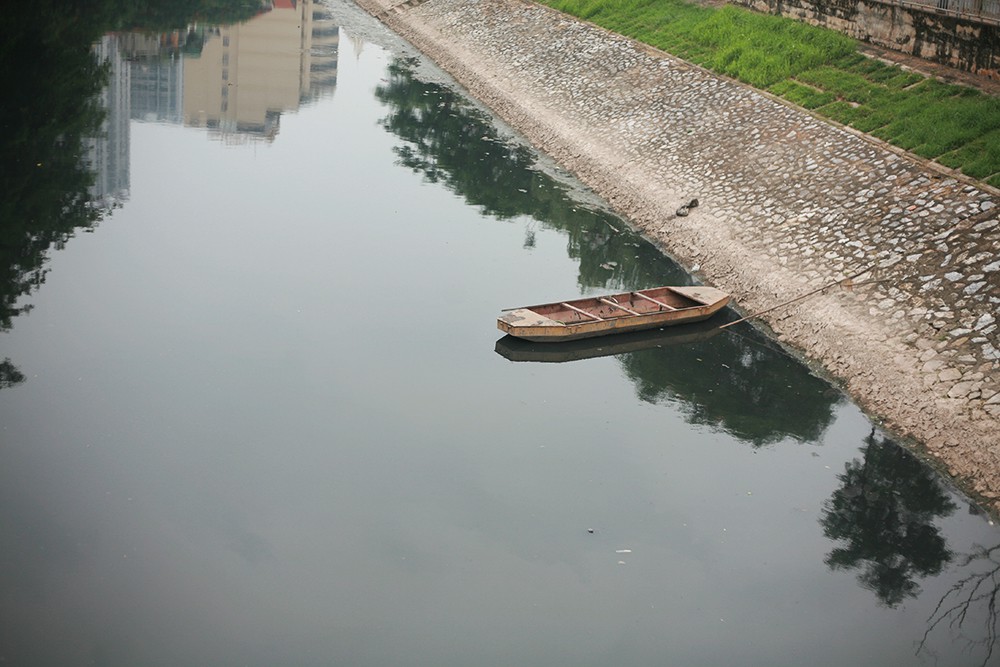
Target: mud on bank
x,y
788,203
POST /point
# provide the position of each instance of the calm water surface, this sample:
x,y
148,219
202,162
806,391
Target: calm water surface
x,y
262,415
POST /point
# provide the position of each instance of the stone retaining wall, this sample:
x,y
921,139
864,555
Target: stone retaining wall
x,y
962,42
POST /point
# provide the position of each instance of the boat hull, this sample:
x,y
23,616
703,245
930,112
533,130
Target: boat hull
x,y
613,314
517,349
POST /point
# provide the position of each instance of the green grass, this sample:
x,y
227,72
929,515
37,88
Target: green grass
x,y
817,69
934,118
848,86
863,119
978,158
805,96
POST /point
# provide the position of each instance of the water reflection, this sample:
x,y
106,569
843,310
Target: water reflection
x,y
970,610
451,142
52,84
516,349
10,376
72,86
883,514
109,150
236,79
153,16
739,381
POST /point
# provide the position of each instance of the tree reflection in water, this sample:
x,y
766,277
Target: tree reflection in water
x,y
971,605
9,374
739,382
883,514
451,142
51,82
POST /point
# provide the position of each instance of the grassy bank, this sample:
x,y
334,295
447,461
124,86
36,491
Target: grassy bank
x,y
818,69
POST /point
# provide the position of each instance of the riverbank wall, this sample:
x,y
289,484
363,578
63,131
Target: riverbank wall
x,y
965,41
788,203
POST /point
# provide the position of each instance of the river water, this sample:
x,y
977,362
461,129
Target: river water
x,y
261,414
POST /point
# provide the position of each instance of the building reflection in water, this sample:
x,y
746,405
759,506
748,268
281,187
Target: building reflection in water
x,y
108,152
248,74
236,80
157,70
65,153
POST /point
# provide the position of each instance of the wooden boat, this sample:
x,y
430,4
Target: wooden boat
x,y
614,313
516,349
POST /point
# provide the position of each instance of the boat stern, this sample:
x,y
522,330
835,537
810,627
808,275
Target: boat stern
x,y
703,294
525,323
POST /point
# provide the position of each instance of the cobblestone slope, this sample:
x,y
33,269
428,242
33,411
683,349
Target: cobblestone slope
x,y
787,203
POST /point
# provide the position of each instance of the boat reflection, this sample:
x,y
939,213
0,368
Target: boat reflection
x,y
515,349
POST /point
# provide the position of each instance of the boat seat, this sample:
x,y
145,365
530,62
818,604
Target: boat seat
x,y
522,317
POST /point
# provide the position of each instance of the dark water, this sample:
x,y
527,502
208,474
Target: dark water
x,y
261,415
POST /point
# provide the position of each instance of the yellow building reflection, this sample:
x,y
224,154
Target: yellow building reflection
x,y
248,74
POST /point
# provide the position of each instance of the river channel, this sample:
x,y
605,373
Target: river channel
x,y
256,411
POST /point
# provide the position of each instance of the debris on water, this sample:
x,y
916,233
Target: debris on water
x,y
621,562
623,551
590,530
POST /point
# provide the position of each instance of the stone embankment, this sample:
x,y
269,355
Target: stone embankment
x,y
788,203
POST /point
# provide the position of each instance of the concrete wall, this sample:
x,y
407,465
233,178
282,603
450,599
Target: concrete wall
x,y
921,31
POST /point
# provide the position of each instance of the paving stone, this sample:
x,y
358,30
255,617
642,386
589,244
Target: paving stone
x,y
960,390
949,375
933,365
